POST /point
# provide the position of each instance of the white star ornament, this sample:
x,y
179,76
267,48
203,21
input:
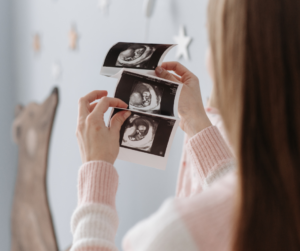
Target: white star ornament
x,y
183,42
56,70
103,5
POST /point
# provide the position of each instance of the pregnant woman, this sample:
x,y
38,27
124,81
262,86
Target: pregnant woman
x,y
251,203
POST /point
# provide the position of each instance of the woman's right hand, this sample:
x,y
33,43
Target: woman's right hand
x,y
190,107
96,140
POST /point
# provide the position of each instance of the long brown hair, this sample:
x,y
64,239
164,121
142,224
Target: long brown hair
x,y
255,48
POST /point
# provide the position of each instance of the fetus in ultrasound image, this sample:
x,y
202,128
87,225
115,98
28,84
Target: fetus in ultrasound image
x,y
135,55
146,98
139,132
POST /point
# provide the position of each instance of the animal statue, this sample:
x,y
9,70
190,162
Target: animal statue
x,y
31,220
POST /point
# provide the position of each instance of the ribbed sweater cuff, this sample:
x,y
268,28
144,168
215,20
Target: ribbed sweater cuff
x,y
97,183
207,150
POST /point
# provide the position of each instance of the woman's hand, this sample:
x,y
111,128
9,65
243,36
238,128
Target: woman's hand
x,y
190,108
96,140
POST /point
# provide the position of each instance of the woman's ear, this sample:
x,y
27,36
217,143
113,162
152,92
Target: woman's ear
x,y
16,127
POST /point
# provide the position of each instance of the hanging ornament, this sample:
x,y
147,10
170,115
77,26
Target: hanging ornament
x,y
73,38
183,42
103,6
56,70
148,7
36,43
148,11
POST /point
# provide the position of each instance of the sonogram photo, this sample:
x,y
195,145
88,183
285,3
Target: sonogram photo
x,y
146,98
146,133
139,132
135,55
147,94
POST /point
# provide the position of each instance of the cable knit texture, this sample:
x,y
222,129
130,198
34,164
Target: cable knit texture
x,y
191,221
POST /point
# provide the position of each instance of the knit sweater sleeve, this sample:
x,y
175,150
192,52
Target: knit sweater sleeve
x,y
94,223
210,155
206,158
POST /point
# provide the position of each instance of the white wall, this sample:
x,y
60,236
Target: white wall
x,y
141,189
8,165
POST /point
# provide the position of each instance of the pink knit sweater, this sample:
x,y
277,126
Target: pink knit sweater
x,y
188,184
199,218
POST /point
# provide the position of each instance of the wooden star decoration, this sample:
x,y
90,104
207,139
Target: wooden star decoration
x,y
73,38
183,42
36,43
103,6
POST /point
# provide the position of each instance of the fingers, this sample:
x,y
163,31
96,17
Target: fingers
x,y
177,77
162,73
94,95
92,106
118,120
176,67
180,70
105,102
84,102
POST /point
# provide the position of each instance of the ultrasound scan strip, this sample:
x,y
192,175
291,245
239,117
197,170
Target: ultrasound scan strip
x,y
146,139
149,94
139,56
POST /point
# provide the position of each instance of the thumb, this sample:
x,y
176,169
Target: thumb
x,y
162,73
118,120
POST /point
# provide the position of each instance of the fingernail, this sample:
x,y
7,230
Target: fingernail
x,y
159,70
126,114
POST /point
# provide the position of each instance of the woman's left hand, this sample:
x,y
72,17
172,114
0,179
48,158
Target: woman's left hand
x,y
190,107
96,140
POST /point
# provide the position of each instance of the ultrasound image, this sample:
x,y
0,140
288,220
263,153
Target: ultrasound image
x,y
146,133
147,94
145,97
136,55
139,132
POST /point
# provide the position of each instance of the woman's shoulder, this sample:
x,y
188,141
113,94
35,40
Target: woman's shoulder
x,y
203,221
